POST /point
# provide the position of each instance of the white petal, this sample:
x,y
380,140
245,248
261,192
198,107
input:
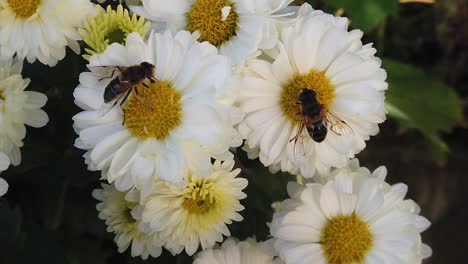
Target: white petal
x,y
3,187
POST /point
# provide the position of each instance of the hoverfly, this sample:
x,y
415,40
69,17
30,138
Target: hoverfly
x,y
127,80
316,119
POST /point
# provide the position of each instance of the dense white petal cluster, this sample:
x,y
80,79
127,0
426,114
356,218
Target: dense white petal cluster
x,y
41,29
197,214
315,51
117,209
17,109
353,217
254,26
4,164
131,151
237,252
175,217
163,113
304,93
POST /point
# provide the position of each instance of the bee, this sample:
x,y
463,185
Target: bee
x,y
127,80
317,119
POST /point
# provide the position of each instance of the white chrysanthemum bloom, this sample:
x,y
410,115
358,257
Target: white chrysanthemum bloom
x,y
175,125
356,217
197,214
17,108
316,52
237,27
117,210
41,29
4,164
128,2
235,252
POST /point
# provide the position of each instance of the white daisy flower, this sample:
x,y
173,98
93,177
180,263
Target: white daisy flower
x,y
41,29
237,27
128,2
4,163
197,214
356,217
117,209
316,52
235,252
175,125
17,108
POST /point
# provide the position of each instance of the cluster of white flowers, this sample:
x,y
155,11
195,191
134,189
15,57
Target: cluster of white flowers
x,y
33,30
41,29
349,216
17,109
163,110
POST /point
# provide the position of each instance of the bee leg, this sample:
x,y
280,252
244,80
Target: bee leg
x,y
152,80
294,139
145,85
123,121
125,98
115,103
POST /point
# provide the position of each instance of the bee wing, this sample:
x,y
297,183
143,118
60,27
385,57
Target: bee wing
x,y
336,124
298,140
120,88
121,91
106,72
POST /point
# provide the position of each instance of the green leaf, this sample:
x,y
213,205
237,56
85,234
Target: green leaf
x,y
417,101
366,14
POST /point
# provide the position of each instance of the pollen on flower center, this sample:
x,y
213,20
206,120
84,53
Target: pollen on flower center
x,y
199,196
346,240
206,16
153,112
24,8
313,80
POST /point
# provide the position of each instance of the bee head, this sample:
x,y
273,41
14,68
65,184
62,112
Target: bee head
x,y
306,94
149,69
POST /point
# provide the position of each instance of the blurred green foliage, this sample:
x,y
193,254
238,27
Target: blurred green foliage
x,y
418,101
366,15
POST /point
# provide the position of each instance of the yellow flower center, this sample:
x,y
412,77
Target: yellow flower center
x,y
110,26
199,196
24,8
127,213
117,36
206,17
346,240
153,112
313,80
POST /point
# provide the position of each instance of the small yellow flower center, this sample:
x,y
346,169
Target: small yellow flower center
x,y
127,213
346,240
117,36
24,8
313,80
153,112
110,26
206,17
199,196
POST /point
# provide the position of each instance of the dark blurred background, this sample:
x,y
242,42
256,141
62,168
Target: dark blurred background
x,y
49,216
